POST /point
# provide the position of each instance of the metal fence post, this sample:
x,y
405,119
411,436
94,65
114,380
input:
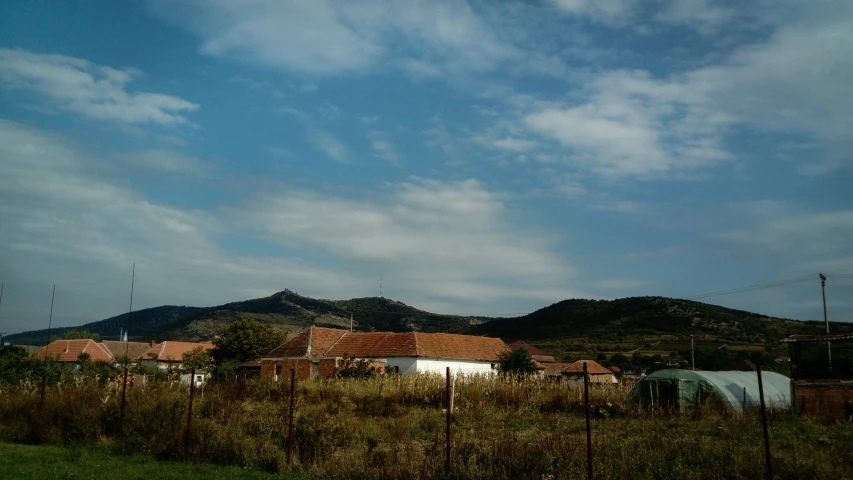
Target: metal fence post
x,y
290,422
767,457
588,429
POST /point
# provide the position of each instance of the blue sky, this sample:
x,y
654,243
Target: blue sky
x,y
482,158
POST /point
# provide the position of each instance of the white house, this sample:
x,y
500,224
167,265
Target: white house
x,y
318,351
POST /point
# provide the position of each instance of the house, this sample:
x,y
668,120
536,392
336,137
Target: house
x,y
539,355
822,374
169,354
318,351
70,352
598,374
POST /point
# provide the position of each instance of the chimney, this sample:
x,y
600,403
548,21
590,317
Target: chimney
x,y
151,343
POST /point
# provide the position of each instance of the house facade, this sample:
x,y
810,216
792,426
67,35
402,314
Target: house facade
x,y
318,351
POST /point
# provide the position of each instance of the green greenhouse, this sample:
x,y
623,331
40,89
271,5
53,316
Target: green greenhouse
x,y
732,390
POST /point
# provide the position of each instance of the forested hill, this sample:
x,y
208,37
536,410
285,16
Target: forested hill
x,y
606,319
634,316
285,309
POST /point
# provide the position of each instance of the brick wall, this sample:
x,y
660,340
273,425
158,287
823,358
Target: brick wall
x,y
283,367
824,399
327,367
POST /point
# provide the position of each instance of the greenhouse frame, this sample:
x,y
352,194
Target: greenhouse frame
x,y
733,390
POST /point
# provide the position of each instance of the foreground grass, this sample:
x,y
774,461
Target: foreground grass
x,y
30,462
394,428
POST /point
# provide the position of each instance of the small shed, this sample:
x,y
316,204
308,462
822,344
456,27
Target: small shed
x,y
732,390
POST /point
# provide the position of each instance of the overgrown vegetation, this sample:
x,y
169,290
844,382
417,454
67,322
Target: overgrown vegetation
x,y
393,427
243,341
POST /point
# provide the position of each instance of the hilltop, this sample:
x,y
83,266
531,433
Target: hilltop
x,y
566,328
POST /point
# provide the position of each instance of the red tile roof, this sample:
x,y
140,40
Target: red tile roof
x,y
328,342
552,369
134,350
538,354
69,350
173,351
593,367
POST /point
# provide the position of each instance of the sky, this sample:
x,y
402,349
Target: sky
x,y
481,158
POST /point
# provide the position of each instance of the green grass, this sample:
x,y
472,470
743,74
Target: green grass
x,y
39,462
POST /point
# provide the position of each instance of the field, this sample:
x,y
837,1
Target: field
x,y
394,427
29,462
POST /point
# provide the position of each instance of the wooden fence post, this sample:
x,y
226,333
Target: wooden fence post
x,y
767,457
449,406
588,429
290,422
188,433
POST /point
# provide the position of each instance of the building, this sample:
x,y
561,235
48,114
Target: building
x,y
822,374
539,355
132,350
70,352
169,354
318,351
598,374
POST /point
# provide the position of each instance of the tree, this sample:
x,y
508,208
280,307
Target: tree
x,y
198,358
243,341
76,335
519,362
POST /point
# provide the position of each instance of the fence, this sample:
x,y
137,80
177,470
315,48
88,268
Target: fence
x,y
414,427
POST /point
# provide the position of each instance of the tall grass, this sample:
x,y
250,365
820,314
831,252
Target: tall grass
x,y
393,427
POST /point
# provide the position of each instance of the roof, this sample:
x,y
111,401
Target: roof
x,y
250,364
134,350
552,369
538,354
69,350
817,337
331,342
170,351
592,367
314,340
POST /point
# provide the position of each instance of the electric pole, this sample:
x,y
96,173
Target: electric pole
x,y
350,320
826,319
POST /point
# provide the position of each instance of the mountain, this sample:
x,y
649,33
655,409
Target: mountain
x,y
567,326
285,309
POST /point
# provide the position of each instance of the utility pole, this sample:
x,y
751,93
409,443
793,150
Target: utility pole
x,y
350,320
692,354
826,319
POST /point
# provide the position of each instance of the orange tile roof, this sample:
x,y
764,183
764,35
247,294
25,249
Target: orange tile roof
x,y
329,342
375,344
552,369
451,345
134,350
69,350
593,367
314,341
170,351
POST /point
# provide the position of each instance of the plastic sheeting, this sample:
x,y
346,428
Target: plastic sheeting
x,y
734,389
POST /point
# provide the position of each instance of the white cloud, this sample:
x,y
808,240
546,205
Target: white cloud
x,y
424,38
167,162
440,245
383,148
606,11
94,91
329,144
514,144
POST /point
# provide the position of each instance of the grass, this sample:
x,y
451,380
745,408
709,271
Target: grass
x,y
31,462
393,427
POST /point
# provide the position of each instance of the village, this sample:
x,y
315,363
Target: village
x,y
819,386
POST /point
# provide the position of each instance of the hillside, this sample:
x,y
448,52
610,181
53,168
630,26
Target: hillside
x,y
284,309
566,328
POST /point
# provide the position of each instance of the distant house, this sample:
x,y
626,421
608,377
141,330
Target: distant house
x,y
70,352
318,351
538,354
169,354
598,374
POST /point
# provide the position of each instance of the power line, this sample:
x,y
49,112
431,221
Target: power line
x,y
759,286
